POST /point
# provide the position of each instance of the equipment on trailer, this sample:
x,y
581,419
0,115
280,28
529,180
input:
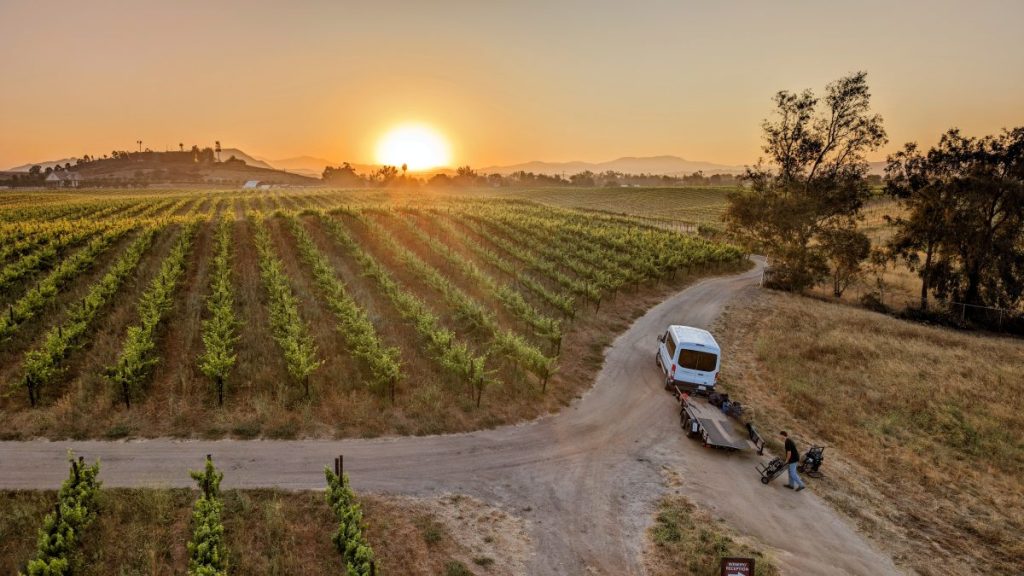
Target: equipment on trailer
x,y
812,461
770,470
707,423
722,401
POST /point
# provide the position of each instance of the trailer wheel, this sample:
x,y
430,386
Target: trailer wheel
x,y
765,480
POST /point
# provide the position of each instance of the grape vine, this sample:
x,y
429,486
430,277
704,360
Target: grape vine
x,y
220,328
137,356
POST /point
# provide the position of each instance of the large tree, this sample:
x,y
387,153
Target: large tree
x,y
962,226
812,186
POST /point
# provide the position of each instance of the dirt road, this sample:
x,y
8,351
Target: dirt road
x,y
587,478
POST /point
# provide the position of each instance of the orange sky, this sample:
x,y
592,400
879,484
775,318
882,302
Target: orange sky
x,y
508,82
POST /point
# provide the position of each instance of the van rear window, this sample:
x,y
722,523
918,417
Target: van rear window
x,y
697,360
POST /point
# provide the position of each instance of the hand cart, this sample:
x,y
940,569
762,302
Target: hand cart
x,y
770,470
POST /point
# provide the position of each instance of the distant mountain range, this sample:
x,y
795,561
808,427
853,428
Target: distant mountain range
x,y
667,165
43,165
313,166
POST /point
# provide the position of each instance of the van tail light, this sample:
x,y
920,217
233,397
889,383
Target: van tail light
x,y
673,368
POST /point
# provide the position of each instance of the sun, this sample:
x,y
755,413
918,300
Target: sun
x,y
416,145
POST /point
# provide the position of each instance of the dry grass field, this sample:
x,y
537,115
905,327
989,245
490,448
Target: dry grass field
x,y
923,425
145,531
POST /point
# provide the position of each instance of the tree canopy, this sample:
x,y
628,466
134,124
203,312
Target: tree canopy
x,y
802,204
962,226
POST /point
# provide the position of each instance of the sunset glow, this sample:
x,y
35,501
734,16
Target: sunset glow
x,y
415,145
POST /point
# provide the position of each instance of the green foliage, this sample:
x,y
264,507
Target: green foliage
x,y
383,362
544,326
42,364
559,300
220,328
963,202
815,181
42,251
453,355
505,343
207,550
290,332
57,548
47,290
137,357
349,538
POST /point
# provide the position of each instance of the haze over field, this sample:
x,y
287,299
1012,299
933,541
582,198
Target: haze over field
x,y
576,81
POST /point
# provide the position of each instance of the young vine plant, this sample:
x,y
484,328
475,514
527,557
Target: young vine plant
x,y
383,362
220,328
349,538
41,365
57,549
290,332
207,550
137,357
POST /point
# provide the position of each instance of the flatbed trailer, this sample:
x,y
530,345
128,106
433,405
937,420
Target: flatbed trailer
x,y
710,425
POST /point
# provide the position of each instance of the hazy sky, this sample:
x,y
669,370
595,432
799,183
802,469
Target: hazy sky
x,y
505,82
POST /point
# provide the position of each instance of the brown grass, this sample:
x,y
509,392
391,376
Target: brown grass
x,y
145,531
922,424
686,539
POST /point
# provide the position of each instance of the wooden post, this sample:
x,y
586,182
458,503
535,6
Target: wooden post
x,y
206,480
337,467
341,464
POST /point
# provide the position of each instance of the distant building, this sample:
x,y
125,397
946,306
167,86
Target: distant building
x,y
251,185
63,179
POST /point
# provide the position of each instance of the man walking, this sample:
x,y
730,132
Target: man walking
x,y
792,459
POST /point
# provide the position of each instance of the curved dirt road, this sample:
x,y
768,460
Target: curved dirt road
x,y
587,479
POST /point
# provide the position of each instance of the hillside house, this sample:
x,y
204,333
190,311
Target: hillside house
x,y
63,179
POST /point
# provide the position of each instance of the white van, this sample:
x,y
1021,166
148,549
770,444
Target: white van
x,y
690,359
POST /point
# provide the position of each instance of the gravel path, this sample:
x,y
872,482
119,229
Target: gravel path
x,y
587,479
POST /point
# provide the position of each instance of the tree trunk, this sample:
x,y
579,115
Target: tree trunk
x,y
925,277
